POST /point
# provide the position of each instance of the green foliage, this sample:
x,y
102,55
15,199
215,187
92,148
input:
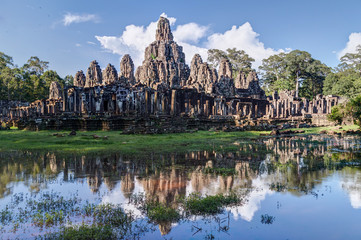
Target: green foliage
x,y
158,212
109,214
337,114
27,83
69,80
343,83
133,144
220,171
287,71
153,57
355,109
85,232
351,109
5,61
346,78
35,66
239,59
195,204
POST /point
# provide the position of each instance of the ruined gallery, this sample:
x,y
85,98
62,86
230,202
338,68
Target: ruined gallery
x,y
164,94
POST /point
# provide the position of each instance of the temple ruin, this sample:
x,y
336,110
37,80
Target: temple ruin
x,y
164,94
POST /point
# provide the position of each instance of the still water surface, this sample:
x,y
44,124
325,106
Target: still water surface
x,y
301,187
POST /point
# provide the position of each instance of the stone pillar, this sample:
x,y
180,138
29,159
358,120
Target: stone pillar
x,y
173,109
147,102
156,99
206,108
152,103
163,104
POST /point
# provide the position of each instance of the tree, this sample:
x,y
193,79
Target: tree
x,y
352,60
345,80
69,80
5,61
215,56
273,71
42,83
296,70
239,59
35,66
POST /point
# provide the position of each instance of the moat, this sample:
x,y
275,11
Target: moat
x,y
293,187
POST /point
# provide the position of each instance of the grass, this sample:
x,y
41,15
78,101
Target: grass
x,y
195,204
161,213
317,130
84,232
220,171
84,142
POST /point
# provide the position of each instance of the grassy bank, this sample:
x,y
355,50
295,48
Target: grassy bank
x,y
114,141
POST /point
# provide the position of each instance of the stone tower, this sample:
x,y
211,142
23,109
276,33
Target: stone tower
x,y
164,61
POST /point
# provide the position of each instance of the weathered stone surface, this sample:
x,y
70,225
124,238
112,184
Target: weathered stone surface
x,y
240,81
225,69
201,77
127,70
164,60
225,84
93,75
55,91
254,88
248,86
79,79
110,75
163,30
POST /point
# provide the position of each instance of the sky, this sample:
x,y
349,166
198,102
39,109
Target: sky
x,y
69,34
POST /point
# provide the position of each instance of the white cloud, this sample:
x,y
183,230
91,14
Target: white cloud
x,y
133,41
190,32
193,38
70,18
353,41
171,20
91,43
243,38
78,45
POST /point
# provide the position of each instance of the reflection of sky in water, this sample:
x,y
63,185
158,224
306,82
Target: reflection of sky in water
x,y
351,183
260,189
328,209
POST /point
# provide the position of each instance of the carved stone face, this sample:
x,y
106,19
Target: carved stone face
x,y
55,91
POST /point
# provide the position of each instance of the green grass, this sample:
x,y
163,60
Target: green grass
x,y
317,130
131,144
195,204
220,171
84,142
161,213
84,232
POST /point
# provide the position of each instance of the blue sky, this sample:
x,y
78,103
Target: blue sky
x,y
70,34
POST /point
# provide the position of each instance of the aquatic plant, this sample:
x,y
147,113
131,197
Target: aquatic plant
x,y
267,219
196,204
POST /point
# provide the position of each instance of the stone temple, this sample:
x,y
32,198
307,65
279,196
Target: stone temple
x,y
164,94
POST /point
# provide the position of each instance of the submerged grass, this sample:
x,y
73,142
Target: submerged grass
x,y
84,232
195,204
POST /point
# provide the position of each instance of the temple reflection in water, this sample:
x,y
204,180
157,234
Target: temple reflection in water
x,y
296,164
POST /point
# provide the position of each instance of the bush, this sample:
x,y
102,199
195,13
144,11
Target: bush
x,y
337,114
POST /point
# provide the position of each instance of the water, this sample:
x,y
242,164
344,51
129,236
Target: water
x,y
302,187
